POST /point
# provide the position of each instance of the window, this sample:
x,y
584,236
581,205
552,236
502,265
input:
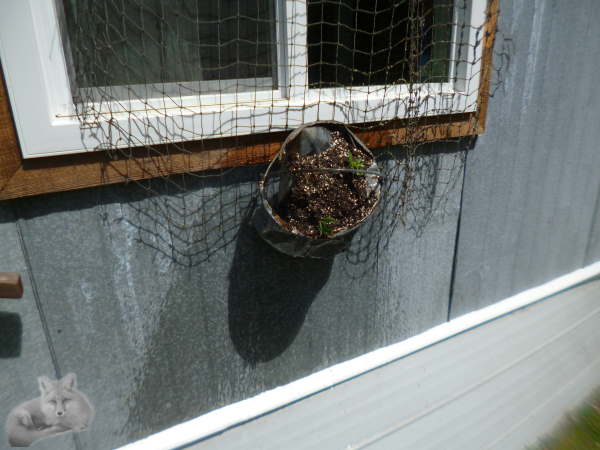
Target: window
x,y
93,74
365,43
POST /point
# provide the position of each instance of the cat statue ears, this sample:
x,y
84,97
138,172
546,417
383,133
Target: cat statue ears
x,y
68,382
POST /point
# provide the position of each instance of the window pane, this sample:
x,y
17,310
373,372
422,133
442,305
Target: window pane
x,y
367,42
129,42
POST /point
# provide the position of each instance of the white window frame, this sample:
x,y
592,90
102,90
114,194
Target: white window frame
x,y
37,78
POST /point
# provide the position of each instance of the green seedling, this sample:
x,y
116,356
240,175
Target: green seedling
x,y
355,163
325,226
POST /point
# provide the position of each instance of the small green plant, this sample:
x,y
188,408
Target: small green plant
x,y
325,226
355,163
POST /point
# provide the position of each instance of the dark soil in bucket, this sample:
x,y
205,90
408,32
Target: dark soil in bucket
x,y
322,203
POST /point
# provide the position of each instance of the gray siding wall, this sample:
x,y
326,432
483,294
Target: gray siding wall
x,y
162,325
530,200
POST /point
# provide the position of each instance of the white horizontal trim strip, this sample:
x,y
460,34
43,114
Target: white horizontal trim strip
x,y
223,418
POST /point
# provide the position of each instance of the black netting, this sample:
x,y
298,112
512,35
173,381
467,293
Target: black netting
x,y
168,77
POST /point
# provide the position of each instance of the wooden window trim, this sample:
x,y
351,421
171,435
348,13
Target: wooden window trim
x,y
22,178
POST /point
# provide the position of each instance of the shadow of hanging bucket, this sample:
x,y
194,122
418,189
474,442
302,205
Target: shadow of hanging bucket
x,y
310,139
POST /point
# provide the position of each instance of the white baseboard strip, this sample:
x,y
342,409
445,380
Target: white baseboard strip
x,y
229,416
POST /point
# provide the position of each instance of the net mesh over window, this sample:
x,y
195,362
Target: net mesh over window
x,y
160,78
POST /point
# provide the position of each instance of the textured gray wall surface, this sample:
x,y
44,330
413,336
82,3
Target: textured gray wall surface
x,y
163,323
24,351
532,184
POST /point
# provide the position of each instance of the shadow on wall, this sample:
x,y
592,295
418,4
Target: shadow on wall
x,y
269,296
11,331
270,293
232,302
193,351
192,219
218,341
415,190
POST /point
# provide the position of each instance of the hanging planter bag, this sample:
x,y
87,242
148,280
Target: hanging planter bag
x,y
322,185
